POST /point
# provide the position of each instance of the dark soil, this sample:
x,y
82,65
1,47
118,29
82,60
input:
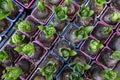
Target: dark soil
x,y
25,2
116,4
4,24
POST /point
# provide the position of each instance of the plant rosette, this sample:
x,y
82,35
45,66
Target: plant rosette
x,y
110,16
47,36
6,25
25,3
42,12
115,4
102,31
8,75
76,35
27,67
98,6
96,72
91,47
53,2
16,12
72,9
85,16
18,38
79,67
8,56
28,26
63,50
113,42
48,58
108,57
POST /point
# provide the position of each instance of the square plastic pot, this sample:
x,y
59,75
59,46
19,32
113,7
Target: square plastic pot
x,y
6,25
42,20
25,3
49,57
46,42
73,8
97,32
60,26
94,73
27,67
69,36
114,41
61,43
98,10
105,59
39,54
105,17
16,13
84,49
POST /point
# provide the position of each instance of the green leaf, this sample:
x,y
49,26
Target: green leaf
x,y
85,12
68,2
95,45
6,7
74,76
19,48
109,74
116,55
24,26
60,13
115,16
100,2
42,28
82,32
107,29
79,67
72,53
10,71
48,70
65,53
17,38
41,5
3,56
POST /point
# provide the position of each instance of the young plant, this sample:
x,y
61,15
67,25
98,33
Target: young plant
x,y
22,25
6,7
41,5
67,2
109,74
48,31
85,12
99,2
12,73
60,13
116,55
95,45
3,56
66,53
115,16
79,67
74,76
27,49
82,32
106,30
48,70
17,38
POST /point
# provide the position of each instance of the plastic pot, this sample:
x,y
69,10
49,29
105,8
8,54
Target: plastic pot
x,y
16,13
75,42
97,32
40,18
105,58
84,49
105,17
